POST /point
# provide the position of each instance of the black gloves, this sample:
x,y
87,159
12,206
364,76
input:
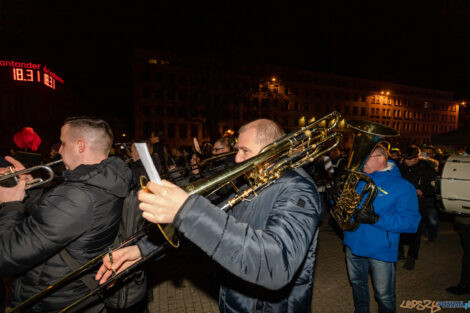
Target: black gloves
x,y
367,217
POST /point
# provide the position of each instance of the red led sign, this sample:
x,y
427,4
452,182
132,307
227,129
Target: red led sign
x,y
30,72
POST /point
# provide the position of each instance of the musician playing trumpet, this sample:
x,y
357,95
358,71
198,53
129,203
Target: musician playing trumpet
x,y
78,219
266,244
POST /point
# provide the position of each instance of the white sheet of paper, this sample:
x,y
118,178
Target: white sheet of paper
x,y
146,159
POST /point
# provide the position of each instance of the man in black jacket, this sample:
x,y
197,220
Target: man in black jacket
x,y
266,244
80,216
422,175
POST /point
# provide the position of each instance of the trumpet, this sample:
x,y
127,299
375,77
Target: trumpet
x,y
35,182
292,151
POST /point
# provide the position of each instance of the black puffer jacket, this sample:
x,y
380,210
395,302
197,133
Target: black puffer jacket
x,y
267,245
82,215
421,175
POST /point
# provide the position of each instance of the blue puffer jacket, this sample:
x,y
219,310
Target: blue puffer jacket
x,y
267,245
397,205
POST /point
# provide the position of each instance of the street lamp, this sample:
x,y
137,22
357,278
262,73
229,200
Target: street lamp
x,y
386,94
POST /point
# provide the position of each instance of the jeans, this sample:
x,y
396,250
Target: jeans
x,y
431,222
383,280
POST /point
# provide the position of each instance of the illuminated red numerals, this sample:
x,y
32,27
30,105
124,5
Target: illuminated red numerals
x,y
49,81
18,74
23,75
29,76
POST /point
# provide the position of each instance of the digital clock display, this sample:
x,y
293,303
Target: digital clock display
x,y
31,72
27,75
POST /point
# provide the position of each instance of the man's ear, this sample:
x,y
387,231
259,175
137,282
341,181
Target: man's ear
x,y
81,145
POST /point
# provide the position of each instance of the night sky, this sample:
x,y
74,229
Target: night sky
x,y
422,43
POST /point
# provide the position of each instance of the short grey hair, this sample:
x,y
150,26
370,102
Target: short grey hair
x,y
267,131
381,150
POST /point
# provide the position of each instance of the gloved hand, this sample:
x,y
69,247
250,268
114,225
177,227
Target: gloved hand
x,y
367,217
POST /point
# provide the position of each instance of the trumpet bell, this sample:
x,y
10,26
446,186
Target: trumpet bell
x,y
35,182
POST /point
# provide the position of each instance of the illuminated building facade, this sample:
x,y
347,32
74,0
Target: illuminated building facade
x,y
183,97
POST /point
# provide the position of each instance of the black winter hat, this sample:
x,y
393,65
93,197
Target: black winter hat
x,y
411,152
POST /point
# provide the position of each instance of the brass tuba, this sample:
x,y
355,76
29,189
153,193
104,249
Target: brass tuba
x,y
367,136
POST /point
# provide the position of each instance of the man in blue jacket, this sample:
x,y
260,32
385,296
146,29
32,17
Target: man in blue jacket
x,y
266,244
374,244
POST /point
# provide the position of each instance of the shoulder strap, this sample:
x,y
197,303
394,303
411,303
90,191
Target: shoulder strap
x,y
73,264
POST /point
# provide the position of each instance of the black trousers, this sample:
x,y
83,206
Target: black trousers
x,y
465,237
2,296
413,240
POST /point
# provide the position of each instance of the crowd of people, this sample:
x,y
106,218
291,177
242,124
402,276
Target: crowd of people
x,y
265,245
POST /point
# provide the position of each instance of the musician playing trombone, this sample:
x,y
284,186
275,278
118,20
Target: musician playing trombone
x,y
266,244
78,219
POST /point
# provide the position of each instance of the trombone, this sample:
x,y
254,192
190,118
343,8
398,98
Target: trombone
x,y
289,152
35,182
182,175
216,158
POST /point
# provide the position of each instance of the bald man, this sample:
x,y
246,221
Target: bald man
x,y
78,219
265,244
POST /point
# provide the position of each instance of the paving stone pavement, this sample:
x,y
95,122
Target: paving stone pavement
x,y
184,281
